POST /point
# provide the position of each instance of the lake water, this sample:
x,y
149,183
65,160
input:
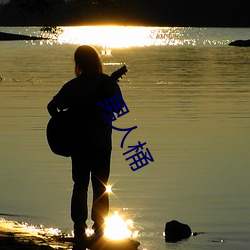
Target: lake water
x,y
188,93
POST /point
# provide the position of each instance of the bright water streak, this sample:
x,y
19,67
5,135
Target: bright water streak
x,y
130,36
122,37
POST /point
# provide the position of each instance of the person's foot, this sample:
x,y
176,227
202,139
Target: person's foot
x,y
81,242
98,232
80,237
80,230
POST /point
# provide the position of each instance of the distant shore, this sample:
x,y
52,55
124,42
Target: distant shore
x,y
15,37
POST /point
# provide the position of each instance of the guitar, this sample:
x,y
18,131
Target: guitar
x,y
60,127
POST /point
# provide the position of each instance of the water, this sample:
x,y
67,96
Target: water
x,y
191,105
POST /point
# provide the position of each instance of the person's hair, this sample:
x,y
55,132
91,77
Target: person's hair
x,y
87,60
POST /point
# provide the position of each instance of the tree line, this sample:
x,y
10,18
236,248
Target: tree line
x,y
62,12
125,12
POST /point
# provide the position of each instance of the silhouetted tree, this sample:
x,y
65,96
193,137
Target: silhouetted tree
x,y
31,12
40,6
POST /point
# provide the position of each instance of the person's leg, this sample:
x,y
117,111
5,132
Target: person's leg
x,y
79,208
99,178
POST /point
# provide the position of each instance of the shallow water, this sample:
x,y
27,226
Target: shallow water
x,y
191,106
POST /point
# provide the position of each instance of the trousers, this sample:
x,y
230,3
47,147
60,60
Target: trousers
x,y
94,163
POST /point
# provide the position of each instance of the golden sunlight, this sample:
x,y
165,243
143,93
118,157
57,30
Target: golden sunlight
x,y
108,189
107,36
116,228
89,232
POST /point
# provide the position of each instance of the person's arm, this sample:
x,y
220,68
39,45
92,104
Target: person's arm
x,y
61,100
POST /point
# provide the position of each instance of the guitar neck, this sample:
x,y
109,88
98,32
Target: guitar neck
x,y
119,73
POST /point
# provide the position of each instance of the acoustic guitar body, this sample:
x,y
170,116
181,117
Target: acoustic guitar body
x,y
59,133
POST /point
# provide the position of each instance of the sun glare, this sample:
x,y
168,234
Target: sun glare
x,y
117,228
110,37
89,232
108,189
106,36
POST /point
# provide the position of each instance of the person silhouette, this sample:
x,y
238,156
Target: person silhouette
x,y
91,136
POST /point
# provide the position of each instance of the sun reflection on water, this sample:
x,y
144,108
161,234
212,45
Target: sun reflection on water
x,y
110,37
107,36
116,228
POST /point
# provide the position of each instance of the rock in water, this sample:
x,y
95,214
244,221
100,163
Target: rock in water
x,y
176,231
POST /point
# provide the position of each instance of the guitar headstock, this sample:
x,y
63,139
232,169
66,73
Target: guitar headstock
x,y
119,73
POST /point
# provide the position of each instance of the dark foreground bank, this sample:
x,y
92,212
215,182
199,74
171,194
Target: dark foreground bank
x,y
18,236
10,242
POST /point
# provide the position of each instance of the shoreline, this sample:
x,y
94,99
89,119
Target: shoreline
x,y
15,236
19,235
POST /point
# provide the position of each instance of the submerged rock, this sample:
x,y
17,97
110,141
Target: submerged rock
x,y
240,43
176,231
